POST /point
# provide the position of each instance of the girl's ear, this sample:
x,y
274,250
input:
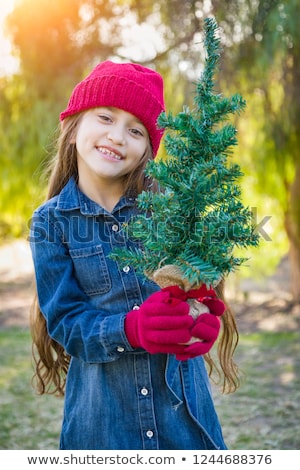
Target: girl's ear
x,y
73,138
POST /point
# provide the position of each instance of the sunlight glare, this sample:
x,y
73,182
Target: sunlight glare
x,y
8,63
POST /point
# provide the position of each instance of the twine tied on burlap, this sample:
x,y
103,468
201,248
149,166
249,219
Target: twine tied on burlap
x,y
171,275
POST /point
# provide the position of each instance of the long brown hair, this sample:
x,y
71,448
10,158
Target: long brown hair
x,y
228,341
50,359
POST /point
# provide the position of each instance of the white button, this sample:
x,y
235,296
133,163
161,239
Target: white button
x,y
115,227
126,269
149,434
136,307
120,349
144,391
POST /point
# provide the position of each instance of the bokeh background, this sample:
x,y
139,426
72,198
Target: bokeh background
x,y
46,48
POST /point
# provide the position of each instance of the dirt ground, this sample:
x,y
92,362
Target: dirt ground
x,y
258,306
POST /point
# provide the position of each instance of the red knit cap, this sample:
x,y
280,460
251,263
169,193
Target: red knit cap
x,y
131,87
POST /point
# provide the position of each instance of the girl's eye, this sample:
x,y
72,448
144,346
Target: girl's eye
x,y
137,132
104,117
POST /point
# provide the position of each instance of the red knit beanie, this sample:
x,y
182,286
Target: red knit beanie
x,y
131,87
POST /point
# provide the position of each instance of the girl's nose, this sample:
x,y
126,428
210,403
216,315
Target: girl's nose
x,y
116,135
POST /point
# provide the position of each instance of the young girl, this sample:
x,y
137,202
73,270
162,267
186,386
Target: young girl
x,y
116,345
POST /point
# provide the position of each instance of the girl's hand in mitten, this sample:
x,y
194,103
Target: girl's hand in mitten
x,y
216,306
204,295
160,324
206,329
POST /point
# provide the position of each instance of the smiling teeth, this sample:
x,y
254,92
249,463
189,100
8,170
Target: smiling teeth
x,y
109,152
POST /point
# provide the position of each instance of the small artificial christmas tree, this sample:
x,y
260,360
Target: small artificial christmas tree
x,y
193,225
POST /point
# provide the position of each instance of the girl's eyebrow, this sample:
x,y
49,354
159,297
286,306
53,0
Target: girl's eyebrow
x,y
114,109
137,121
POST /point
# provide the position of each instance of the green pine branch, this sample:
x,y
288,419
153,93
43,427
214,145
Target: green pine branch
x,y
198,219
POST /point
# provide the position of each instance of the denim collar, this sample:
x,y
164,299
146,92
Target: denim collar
x,y
71,198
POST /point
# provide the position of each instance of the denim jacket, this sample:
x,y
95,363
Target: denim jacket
x,y
116,397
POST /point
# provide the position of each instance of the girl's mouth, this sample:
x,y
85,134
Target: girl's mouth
x,y
110,153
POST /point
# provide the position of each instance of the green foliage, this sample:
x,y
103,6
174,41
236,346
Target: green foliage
x,y
26,125
198,219
56,43
266,64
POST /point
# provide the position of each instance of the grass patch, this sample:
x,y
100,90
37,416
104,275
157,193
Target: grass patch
x,y
27,421
263,414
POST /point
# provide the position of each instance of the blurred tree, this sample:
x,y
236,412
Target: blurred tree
x,y
263,57
276,27
56,41
25,127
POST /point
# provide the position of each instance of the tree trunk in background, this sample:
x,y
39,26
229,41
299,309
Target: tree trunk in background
x,y
294,255
292,225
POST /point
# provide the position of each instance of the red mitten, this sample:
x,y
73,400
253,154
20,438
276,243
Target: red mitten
x,y
206,296
206,328
160,324
216,306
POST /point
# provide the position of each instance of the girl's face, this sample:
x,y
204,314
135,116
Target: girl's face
x,y
110,143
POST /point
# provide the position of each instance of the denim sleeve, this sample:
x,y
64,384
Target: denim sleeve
x,y
85,332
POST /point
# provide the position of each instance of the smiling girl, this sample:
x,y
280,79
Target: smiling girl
x,y
115,345
110,143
